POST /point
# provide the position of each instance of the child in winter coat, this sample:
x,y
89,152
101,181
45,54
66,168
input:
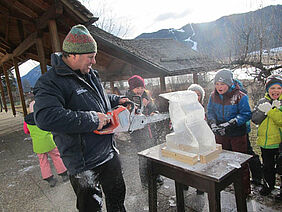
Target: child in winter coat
x,y
267,114
44,145
143,138
228,111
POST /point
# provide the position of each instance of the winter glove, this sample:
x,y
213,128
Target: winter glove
x,y
265,107
276,103
229,124
226,125
217,130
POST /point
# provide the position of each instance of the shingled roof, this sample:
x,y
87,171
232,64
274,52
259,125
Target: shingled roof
x,y
172,56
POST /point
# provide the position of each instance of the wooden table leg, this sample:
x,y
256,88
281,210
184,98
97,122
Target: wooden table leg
x,y
152,188
239,191
214,198
179,197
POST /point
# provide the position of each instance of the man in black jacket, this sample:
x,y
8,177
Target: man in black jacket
x,y
71,103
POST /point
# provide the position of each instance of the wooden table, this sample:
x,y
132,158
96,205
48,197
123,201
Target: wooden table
x,y
211,177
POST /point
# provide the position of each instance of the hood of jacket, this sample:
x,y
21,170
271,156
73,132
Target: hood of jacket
x,y
29,119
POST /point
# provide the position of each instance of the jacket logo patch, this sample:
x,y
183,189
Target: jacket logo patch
x,y
80,91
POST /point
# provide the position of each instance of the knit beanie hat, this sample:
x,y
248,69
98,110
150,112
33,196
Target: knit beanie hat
x,y
196,87
225,76
136,81
272,80
79,41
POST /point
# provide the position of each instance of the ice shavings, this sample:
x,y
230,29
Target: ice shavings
x,y
26,169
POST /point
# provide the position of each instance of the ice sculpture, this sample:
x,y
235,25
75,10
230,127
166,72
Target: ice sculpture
x,y
191,132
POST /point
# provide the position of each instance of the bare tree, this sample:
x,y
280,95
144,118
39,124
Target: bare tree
x,y
251,47
108,21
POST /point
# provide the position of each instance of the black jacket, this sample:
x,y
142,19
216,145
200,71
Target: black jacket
x,y
66,103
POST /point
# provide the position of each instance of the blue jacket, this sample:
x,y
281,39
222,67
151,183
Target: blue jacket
x,y
233,104
66,103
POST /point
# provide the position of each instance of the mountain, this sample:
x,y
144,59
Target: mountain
x,y
229,32
29,80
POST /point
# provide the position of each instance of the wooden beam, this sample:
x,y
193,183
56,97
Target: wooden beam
x,y
9,90
75,11
163,86
41,55
51,14
24,9
195,78
41,4
3,96
20,29
4,10
20,87
26,44
7,28
56,47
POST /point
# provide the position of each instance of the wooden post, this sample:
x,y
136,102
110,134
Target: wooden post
x,y
20,86
56,47
3,97
195,78
41,55
163,86
9,91
112,84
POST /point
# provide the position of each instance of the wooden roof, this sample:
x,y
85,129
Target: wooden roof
x,y
24,22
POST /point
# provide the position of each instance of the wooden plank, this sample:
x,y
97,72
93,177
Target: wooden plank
x,y
185,157
208,156
24,9
211,155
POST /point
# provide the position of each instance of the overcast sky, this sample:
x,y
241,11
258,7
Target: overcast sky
x,y
153,15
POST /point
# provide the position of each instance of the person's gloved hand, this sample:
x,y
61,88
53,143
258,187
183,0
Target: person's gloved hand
x,y
265,107
214,127
276,103
228,124
217,130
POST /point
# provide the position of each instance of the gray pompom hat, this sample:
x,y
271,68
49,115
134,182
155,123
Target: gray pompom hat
x,y
225,76
196,87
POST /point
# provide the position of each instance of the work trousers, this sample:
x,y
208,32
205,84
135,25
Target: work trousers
x,y
45,165
269,158
237,144
87,187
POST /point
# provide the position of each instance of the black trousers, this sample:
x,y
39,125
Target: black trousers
x,y
87,187
254,163
269,158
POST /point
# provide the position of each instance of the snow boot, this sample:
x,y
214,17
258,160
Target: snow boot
x,y
51,180
65,176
